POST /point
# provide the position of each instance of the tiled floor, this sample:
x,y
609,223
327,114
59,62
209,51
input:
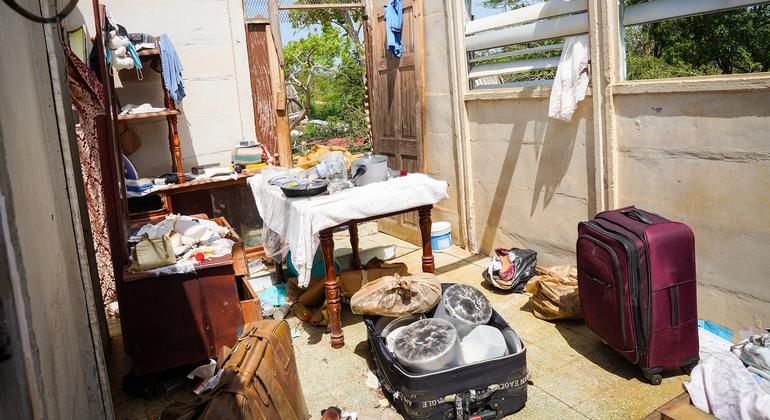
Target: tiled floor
x,y
573,374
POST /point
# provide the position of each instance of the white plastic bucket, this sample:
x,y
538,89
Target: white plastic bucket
x,y
440,236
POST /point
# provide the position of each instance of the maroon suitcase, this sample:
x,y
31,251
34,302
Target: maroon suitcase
x,y
636,280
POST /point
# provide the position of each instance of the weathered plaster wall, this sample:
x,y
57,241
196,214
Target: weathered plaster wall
x,y
43,287
533,176
209,37
704,159
440,131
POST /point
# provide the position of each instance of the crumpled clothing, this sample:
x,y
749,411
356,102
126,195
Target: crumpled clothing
x,y
722,386
172,69
295,223
755,351
572,77
394,19
181,267
139,109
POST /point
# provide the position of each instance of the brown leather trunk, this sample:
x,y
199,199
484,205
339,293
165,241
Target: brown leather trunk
x,y
259,381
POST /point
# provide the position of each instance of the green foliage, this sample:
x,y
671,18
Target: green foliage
x,y
509,4
327,71
736,41
350,21
641,66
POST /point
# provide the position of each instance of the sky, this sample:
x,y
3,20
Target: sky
x,y
288,33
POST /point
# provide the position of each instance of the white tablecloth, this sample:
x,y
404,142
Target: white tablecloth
x,y
298,221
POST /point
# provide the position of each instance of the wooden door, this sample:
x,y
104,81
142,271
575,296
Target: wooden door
x,y
271,118
397,102
261,85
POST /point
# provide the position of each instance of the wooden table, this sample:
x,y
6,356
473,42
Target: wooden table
x,y
331,287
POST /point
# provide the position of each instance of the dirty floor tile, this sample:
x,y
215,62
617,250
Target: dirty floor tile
x,y
574,375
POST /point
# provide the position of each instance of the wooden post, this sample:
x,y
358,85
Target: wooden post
x,y
276,64
275,28
173,136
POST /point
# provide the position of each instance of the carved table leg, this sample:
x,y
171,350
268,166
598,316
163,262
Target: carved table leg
x,y
427,251
333,301
353,230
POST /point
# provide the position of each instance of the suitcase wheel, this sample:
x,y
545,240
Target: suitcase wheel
x,y
655,379
653,375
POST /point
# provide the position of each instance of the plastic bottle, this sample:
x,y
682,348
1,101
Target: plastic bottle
x,y
281,311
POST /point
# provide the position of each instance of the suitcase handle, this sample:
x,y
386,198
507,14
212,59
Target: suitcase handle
x,y
639,217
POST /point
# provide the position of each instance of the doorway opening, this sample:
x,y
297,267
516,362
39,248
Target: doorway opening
x,y
323,54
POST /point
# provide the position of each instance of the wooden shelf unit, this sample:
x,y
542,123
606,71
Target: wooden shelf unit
x,y
171,114
145,115
148,52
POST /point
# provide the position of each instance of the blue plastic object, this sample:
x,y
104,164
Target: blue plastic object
x,y
319,267
275,295
716,329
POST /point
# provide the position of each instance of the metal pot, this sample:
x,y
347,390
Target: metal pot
x,y
428,345
369,169
465,307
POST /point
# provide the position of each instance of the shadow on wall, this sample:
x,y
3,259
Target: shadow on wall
x,y
501,191
553,142
554,155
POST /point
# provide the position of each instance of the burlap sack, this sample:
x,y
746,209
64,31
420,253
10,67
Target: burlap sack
x,y
555,293
398,296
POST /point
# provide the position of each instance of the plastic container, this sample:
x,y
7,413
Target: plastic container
x,y
465,307
421,395
440,236
428,345
483,343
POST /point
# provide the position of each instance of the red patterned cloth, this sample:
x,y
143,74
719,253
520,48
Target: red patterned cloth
x,y
90,103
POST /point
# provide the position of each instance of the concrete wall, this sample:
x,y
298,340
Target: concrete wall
x,y
533,176
209,37
704,159
56,367
694,151
700,158
441,130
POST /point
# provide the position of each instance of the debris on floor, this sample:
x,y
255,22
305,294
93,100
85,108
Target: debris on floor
x,y
511,269
554,294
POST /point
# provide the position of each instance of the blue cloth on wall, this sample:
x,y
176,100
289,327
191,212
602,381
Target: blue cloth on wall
x,y
172,69
394,19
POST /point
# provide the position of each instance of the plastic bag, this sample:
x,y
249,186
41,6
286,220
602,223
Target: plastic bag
x,y
510,269
317,152
555,293
397,296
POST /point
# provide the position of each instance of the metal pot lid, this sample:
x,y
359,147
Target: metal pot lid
x,y
369,158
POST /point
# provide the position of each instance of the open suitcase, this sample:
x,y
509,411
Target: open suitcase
x,y
489,389
636,279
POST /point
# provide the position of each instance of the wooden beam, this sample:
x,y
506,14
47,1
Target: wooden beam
x,y
279,100
275,28
321,6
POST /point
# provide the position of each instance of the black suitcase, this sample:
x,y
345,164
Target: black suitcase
x,y
490,389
